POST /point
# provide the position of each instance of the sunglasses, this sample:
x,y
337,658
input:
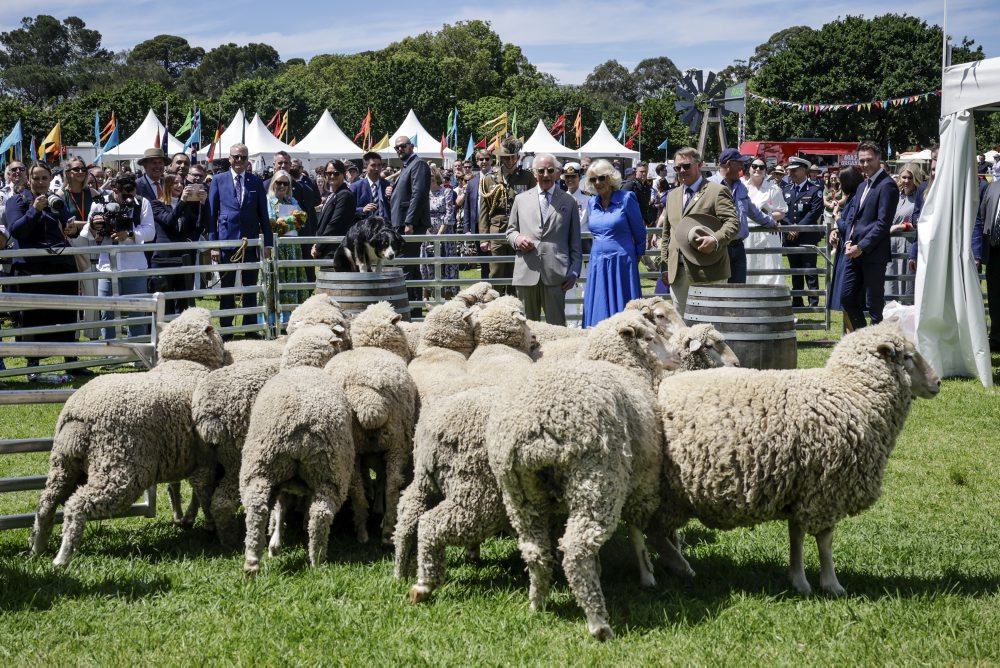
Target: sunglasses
x,y
545,170
15,169
399,146
756,166
237,158
281,184
683,167
333,173
77,169
600,178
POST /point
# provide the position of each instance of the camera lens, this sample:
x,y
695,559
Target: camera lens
x,y
56,203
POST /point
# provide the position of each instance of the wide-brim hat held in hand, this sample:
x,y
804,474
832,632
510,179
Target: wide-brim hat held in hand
x,y
692,229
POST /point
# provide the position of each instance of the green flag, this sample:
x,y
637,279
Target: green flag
x,y
513,124
185,126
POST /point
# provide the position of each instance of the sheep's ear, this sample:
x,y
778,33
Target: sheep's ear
x,y
627,332
466,299
209,329
469,312
520,317
339,329
887,350
694,345
395,318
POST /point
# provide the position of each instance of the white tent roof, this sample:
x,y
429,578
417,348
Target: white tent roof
x,y
142,139
259,140
327,141
951,323
915,155
604,145
426,145
542,141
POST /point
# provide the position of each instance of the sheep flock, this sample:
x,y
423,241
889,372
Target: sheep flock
x,y
477,423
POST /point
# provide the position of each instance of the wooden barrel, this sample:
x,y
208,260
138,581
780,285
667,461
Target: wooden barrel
x,y
355,290
756,320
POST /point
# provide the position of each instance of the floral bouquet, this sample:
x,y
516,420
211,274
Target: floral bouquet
x,y
293,221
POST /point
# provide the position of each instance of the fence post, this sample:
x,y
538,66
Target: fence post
x,y
269,277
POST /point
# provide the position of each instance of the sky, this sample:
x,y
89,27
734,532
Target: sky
x,y
566,39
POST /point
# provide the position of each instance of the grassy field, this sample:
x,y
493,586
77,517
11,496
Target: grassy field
x,y
921,568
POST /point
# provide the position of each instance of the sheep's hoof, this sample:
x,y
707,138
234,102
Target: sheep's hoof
x,y
647,580
601,631
387,543
184,522
273,550
60,561
250,567
419,593
833,589
801,585
362,535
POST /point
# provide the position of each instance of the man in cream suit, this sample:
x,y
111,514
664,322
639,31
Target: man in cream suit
x,y
544,229
696,195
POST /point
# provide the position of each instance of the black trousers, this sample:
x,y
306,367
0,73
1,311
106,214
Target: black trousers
x,y
249,277
806,261
861,278
412,273
47,317
737,262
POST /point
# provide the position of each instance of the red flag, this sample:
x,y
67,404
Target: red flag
x,y
156,143
366,126
560,126
480,144
274,119
578,127
444,145
630,143
215,142
637,123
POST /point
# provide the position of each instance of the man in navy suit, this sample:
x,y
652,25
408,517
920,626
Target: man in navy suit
x,y
410,207
369,190
805,207
470,207
237,205
867,245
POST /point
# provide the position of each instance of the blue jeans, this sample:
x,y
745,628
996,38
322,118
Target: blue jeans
x,y
133,285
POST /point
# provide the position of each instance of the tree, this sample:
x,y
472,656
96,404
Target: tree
x,y
613,80
37,59
228,63
660,121
170,52
802,67
653,76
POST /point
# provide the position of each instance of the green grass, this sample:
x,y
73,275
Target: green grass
x,y
921,569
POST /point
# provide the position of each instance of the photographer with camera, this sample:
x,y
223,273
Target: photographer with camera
x,y
37,218
122,219
188,220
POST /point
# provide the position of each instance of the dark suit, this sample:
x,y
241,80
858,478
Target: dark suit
x,y
363,196
989,254
335,219
230,218
805,207
643,193
410,206
470,218
187,222
870,231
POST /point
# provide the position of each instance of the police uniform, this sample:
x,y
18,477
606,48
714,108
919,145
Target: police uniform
x,y
805,207
494,210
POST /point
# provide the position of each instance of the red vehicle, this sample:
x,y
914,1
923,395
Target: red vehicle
x,y
829,156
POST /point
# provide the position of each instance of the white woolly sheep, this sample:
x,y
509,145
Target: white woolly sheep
x,y
316,310
660,312
447,339
378,326
546,332
299,433
807,446
702,347
477,293
120,434
583,436
383,400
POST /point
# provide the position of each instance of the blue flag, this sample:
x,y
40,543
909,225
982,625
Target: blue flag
x,y
97,128
470,149
665,146
413,140
621,133
13,139
454,127
112,142
195,137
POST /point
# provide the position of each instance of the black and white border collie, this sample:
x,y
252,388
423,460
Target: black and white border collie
x,y
367,243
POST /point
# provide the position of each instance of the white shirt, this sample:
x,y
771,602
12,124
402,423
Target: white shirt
x,y
144,232
582,202
868,186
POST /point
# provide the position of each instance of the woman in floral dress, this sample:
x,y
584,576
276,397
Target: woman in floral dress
x,y
442,222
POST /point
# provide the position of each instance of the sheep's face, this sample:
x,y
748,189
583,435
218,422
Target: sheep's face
x,y
924,381
662,314
656,354
191,336
451,325
321,309
503,321
310,345
477,293
703,347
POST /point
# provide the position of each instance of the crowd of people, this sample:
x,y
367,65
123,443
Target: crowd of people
x,y
700,221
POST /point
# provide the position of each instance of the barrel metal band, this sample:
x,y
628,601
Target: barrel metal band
x,y
758,336
368,299
706,291
700,317
787,303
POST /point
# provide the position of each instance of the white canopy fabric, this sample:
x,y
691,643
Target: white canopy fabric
x,y
427,146
542,141
604,145
923,156
326,141
951,323
143,138
262,143
231,135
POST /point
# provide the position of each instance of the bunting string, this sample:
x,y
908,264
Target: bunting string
x,y
850,106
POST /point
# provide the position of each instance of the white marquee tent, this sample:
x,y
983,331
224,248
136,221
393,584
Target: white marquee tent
x,y
326,141
261,144
426,147
604,145
542,141
143,138
951,324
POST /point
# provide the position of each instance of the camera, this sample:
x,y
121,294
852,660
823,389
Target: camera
x,y
56,203
118,217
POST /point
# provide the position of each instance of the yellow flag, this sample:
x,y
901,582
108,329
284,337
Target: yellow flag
x,y
52,143
382,144
500,120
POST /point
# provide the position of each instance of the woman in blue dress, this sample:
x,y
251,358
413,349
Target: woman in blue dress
x,y
619,240
850,179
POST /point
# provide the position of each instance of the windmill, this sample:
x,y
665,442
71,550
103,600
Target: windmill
x,y
704,101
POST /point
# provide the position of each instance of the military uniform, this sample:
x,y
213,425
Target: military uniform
x,y
496,197
805,207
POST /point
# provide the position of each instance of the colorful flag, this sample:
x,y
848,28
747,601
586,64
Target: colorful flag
x,y
366,128
14,139
282,127
470,149
665,146
271,124
32,148
454,128
112,142
450,124
578,126
195,137
52,143
382,143
413,140
621,133
513,123
444,144
97,128
480,144
156,142
215,142
295,140
637,123
108,129
559,127
497,123
186,125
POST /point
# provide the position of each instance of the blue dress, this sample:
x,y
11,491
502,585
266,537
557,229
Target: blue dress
x,y
837,276
619,240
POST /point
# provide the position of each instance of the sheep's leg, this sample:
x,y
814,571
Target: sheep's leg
x,y
321,512
395,476
96,499
646,578
277,522
589,526
359,505
667,543
64,474
224,504
202,481
412,504
439,527
527,502
827,574
176,502
796,568
256,500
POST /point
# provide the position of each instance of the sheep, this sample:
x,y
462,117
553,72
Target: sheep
x,y
807,446
223,402
584,435
383,400
454,498
702,347
379,326
120,434
249,349
477,293
299,434
318,309
447,339
546,332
